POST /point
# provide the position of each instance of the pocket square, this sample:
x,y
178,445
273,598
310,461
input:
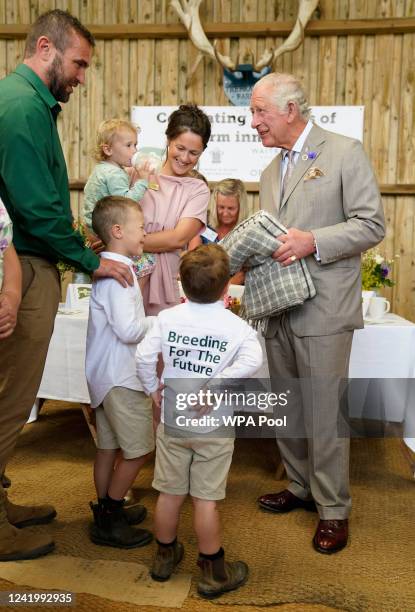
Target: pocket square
x,y
313,173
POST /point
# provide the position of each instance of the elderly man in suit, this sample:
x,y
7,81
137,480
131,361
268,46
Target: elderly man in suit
x,y
320,186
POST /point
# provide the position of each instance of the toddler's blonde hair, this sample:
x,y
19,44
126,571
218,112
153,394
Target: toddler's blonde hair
x,y
107,131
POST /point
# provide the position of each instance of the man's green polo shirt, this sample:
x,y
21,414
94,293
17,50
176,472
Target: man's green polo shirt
x,y
33,177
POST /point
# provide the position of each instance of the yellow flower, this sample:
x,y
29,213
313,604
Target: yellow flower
x,y
375,270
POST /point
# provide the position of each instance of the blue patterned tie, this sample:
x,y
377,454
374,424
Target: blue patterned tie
x,y
288,171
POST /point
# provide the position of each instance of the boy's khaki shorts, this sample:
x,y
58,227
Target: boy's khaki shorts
x,y
125,421
198,466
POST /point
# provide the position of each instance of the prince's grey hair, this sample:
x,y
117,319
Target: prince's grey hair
x,y
285,88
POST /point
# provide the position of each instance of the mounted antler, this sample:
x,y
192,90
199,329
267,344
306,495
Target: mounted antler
x,y
305,9
188,12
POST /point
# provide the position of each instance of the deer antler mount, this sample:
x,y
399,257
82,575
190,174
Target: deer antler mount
x,y
188,13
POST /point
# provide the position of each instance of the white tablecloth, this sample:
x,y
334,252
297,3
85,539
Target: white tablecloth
x,y
383,351
64,374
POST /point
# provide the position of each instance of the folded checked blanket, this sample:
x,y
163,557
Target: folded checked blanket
x,y
270,288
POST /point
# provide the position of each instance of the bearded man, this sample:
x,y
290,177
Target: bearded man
x,y
34,188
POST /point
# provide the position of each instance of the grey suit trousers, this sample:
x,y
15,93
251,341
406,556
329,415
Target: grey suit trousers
x,y
317,465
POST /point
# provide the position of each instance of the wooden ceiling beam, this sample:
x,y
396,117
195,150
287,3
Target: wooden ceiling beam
x,y
336,27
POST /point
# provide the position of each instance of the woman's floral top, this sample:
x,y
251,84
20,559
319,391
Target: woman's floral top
x,y
6,236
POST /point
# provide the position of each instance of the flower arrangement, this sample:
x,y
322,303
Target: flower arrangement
x,y
375,270
232,303
80,227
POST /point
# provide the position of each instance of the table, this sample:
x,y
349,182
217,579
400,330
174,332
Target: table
x,y
64,374
383,355
384,352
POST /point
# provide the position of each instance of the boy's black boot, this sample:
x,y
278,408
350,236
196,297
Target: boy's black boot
x,y
111,528
134,514
5,481
166,559
219,576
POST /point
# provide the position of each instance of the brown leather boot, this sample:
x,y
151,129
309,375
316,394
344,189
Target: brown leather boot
x,y
16,545
24,516
166,559
219,576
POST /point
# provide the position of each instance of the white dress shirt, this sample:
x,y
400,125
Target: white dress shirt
x,y
297,148
116,324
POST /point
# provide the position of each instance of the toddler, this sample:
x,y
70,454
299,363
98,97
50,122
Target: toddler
x,y
115,147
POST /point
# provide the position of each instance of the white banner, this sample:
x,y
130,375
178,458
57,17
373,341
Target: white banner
x,y
235,150
77,296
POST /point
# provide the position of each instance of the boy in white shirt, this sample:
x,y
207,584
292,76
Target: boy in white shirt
x,y
123,412
197,339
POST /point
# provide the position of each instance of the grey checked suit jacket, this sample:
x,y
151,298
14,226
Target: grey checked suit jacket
x,y
344,210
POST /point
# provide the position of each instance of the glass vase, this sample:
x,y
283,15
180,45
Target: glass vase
x,y
80,278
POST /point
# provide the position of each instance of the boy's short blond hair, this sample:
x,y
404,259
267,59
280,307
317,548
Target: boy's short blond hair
x,y
107,131
204,273
110,211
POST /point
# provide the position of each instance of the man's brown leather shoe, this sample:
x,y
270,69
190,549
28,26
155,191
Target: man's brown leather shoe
x,y
331,536
285,501
24,516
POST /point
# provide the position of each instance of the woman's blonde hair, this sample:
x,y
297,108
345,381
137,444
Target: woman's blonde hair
x,y
106,134
230,187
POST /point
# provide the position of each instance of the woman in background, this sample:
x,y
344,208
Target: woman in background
x,y
229,207
230,200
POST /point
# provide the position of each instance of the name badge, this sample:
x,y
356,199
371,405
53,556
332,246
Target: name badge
x,y
209,234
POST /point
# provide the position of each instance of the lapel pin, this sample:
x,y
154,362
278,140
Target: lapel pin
x,y
309,155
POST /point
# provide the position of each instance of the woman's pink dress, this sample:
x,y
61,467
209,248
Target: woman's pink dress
x,y
177,198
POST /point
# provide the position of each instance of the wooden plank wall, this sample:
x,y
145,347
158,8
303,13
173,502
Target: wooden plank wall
x,y
374,71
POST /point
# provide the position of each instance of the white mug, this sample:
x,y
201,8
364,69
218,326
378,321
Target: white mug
x,y
366,296
378,307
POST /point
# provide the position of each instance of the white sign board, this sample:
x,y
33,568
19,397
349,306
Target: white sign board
x,y
77,296
235,150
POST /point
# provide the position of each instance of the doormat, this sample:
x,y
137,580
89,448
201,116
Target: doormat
x,y
114,580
